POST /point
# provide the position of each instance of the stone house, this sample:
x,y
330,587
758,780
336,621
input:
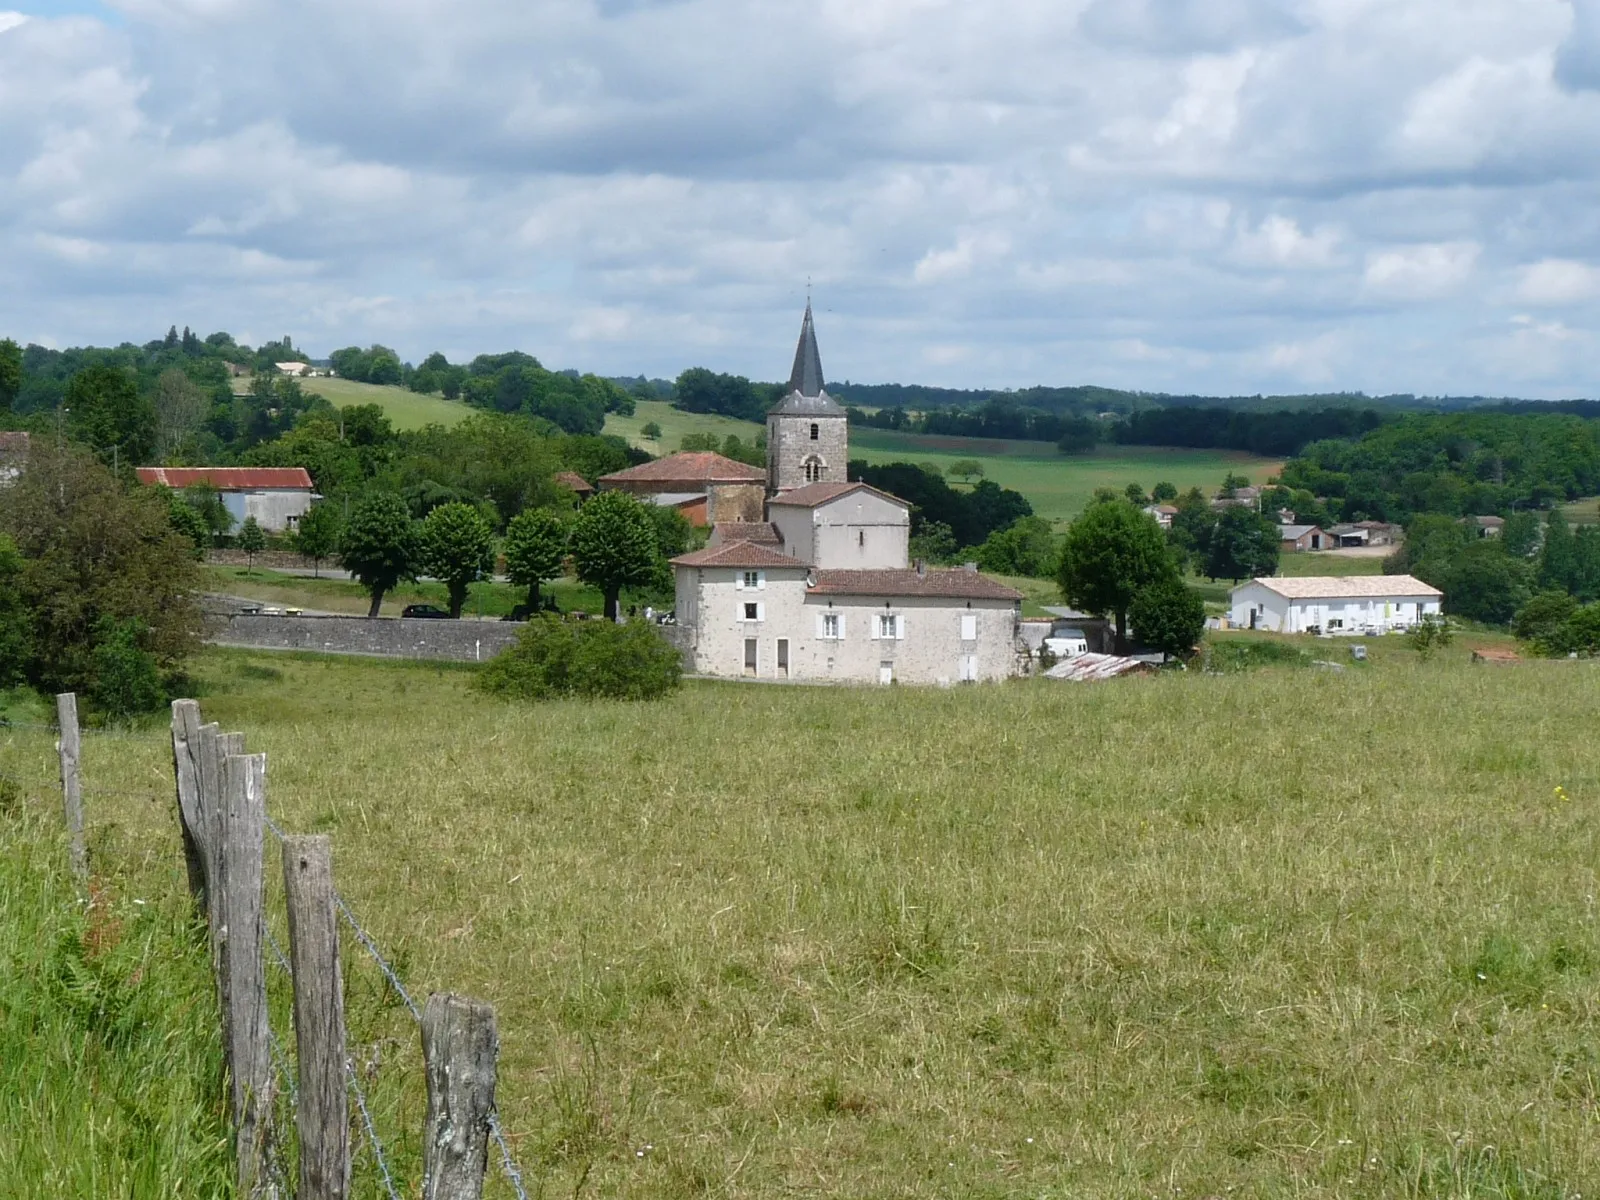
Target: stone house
x,y
277,497
819,586
706,487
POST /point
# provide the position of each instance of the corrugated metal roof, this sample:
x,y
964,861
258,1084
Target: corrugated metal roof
x,y
1089,668
229,479
1348,587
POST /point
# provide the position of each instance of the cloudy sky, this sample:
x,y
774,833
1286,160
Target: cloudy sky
x,y
1208,195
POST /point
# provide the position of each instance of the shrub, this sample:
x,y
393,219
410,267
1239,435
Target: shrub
x,y
597,659
1240,654
126,679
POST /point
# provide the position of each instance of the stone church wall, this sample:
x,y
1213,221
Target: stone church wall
x,y
789,445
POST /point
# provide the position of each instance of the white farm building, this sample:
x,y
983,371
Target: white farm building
x,y
1356,605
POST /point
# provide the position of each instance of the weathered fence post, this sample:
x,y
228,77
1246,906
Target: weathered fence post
x,y
459,1047
186,771
69,748
323,1112
242,976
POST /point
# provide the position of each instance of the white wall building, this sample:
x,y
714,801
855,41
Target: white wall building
x,y
1357,605
277,497
822,590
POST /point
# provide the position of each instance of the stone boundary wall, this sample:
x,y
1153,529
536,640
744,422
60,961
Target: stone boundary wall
x,y
269,559
382,637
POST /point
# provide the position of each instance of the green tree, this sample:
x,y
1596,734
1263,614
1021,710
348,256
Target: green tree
x,y
10,373
252,540
1578,634
614,546
186,519
536,548
1112,553
965,469
379,545
180,407
1169,616
1430,635
1026,547
106,412
651,430
93,549
1538,620
1135,495
1164,493
1191,526
317,535
1484,583
1243,545
207,501
457,549
16,633
127,681
1558,558
935,542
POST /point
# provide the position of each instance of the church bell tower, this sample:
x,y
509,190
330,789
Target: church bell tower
x,y
808,435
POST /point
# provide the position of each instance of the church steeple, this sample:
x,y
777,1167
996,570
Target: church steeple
x,y
806,378
808,435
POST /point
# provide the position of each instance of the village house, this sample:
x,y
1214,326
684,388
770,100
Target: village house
x,y
705,487
815,583
1365,533
580,486
1163,513
1356,605
277,497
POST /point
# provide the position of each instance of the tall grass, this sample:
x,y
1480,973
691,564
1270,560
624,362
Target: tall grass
x,y
110,1067
1276,933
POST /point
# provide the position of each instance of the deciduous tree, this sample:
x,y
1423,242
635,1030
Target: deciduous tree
x,y
1169,616
1112,553
317,535
106,412
379,545
252,540
10,372
614,546
536,547
457,549
1243,544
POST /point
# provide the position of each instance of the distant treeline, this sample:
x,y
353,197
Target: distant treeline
x,y
1478,463
1271,434
968,516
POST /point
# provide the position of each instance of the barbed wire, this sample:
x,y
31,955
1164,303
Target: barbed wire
x,y
377,957
372,1133
505,1157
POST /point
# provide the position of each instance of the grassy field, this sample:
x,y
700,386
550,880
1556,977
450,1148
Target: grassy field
x,y
1156,938
1057,487
405,409
110,1058
346,596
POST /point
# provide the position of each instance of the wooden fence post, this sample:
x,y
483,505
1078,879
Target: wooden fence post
x,y
323,1113
69,748
242,978
459,1047
186,771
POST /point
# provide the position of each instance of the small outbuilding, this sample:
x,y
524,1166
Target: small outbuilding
x,y
1302,537
1355,605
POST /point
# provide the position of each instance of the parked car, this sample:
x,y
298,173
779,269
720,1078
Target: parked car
x,y
425,611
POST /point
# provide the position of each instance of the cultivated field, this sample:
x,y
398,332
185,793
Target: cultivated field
x,y
1287,933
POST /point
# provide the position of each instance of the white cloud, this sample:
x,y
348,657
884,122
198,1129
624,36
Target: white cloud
x,y
1200,195
1420,272
10,20
1556,281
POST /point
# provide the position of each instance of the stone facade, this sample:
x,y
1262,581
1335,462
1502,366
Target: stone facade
x,y
803,635
806,448
731,502
862,528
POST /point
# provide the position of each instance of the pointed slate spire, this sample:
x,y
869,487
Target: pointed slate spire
x,y
806,378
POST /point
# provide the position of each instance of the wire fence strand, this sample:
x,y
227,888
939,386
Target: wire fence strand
x,y
505,1157
372,1132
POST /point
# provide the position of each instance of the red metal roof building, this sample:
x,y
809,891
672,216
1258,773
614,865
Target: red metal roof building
x,y
229,479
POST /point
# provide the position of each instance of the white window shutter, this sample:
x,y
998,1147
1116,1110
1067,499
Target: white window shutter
x,y
761,612
822,629
841,627
872,628
900,628
738,581
761,580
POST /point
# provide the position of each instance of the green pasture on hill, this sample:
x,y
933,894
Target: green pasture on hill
x,y
405,409
1057,486
1146,938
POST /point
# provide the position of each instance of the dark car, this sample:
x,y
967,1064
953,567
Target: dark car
x,y
426,611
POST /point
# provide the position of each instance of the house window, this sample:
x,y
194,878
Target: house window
x,y
752,579
752,611
861,537
888,626
750,659
813,470
830,625
969,627
783,656
816,431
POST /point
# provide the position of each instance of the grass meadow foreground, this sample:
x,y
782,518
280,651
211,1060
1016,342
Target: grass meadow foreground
x,y
1282,933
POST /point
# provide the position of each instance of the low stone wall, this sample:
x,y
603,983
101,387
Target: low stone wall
x,y
274,560
383,637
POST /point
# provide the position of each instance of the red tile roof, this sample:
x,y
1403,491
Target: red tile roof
x,y
574,481
814,494
956,584
698,467
737,554
228,479
758,532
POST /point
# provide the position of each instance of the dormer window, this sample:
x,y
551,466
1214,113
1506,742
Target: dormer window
x,y
816,431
